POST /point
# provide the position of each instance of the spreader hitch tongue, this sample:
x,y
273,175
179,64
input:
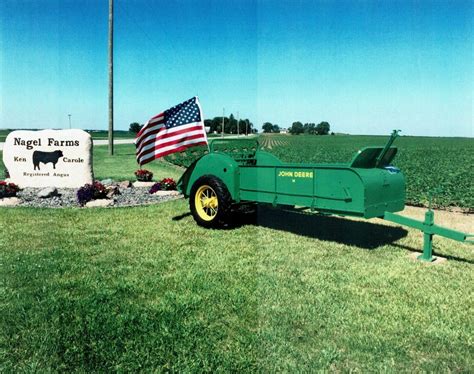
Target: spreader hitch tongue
x,y
429,229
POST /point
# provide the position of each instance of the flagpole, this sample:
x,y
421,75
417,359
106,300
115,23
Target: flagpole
x,y
111,77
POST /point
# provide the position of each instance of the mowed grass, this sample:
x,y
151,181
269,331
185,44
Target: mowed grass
x,y
146,289
123,164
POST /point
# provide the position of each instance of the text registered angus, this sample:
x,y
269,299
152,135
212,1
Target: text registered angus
x,y
46,157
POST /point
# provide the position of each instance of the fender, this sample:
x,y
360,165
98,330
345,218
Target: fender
x,y
217,164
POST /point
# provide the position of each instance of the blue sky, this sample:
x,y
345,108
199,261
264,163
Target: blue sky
x,y
366,67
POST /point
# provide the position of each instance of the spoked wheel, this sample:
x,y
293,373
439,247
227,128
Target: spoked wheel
x,y
206,202
210,202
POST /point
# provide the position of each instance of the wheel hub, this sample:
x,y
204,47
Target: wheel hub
x,y
210,202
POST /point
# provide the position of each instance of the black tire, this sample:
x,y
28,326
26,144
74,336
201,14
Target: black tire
x,y
221,217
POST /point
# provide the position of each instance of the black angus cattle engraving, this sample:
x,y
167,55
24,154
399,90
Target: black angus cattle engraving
x,y
46,157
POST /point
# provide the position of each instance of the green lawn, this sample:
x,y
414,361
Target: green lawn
x,y
123,164
146,289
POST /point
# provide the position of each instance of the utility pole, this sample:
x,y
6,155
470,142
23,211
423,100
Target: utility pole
x,y
223,115
111,77
69,121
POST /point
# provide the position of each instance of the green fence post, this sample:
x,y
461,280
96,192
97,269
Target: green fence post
x,y
427,238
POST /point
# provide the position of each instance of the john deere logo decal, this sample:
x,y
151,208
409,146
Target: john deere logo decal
x,y
296,174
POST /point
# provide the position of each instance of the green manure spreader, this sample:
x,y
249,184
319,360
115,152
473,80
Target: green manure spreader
x,y
369,186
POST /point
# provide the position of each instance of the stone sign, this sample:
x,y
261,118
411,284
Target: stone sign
x,y
49,158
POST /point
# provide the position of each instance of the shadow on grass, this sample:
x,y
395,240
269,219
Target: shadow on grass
x,y
181,216
435,253
361,234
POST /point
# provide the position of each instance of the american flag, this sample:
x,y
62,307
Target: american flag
x,y
174,130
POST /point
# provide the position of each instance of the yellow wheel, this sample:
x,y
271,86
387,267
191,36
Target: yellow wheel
x,y
210,202
206,203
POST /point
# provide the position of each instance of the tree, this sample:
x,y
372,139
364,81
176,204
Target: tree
x,y
276,129
309,128
296,128
208,123
226,125
248,127
267,127
232,126
242,125
135,127
216,124
323,128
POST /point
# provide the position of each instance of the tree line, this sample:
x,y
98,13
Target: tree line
x,y
269,127
244,126
231,126
297,128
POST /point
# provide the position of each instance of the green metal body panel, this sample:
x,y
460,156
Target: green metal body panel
x,y
338,189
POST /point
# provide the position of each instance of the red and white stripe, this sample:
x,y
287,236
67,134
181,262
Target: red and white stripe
x,y
154,140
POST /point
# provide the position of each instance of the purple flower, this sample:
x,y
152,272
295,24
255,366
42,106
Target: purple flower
x,y
155,187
